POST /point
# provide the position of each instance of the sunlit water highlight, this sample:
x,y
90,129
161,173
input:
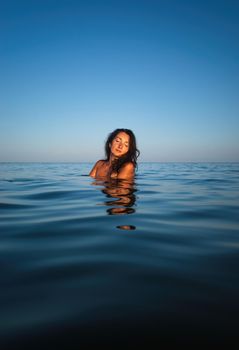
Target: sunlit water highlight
x,y
88,261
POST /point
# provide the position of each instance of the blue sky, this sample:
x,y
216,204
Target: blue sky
x,y
73,71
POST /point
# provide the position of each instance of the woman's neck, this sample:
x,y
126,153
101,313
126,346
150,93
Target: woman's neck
x,y
112,159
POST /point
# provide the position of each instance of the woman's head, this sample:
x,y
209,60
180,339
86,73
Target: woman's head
x,y
122,144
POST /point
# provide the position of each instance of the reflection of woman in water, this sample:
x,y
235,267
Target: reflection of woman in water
x,y
122,196
121,156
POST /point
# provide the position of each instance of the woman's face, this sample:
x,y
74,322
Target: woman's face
x,y
120,144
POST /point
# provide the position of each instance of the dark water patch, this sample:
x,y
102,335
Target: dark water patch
x,y
220,213
14,206
48,226
50,195
20,180
213,180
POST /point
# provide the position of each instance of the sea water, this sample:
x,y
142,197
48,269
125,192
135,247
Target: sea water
x,y
85,261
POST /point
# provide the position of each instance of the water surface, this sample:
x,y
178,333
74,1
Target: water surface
x,y
90,262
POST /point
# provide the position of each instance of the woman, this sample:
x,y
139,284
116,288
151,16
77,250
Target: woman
x,y
121,156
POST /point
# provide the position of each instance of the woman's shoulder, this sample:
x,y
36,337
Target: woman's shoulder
x,y
97,165
128,165
100,162
126,171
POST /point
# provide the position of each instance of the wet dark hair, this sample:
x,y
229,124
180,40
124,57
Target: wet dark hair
x,y
130,156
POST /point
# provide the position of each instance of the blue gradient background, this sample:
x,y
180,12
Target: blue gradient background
x,y
72,71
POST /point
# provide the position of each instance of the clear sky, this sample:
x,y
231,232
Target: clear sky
x,y
73,71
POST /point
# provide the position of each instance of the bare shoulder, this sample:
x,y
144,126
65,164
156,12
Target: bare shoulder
x,y
128,165
126,171
98,164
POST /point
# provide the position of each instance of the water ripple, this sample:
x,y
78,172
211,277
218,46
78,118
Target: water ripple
x,y
164,262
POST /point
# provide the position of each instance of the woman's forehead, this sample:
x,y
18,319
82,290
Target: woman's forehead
x,y
123,136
